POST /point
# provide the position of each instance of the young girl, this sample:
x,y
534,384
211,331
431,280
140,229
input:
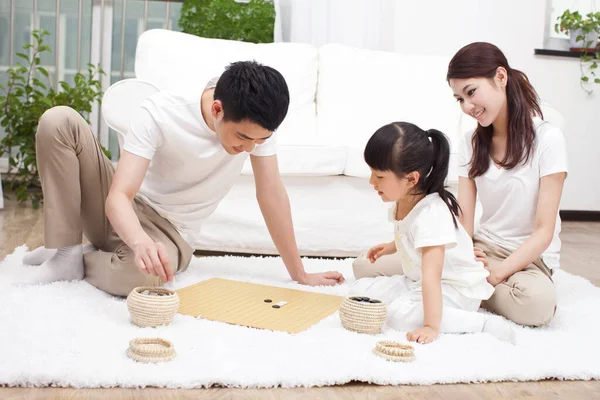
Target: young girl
x,y
442,285
517,165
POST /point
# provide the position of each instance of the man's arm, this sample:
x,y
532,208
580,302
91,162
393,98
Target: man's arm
x,y
275,207
150,257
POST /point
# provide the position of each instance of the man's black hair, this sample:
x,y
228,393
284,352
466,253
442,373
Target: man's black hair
x,y
254,92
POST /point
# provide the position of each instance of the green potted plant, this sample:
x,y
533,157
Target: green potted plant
x,y
27,95
243,20
583,37
583,32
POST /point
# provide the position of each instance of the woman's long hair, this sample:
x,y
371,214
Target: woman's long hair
x,y
481,60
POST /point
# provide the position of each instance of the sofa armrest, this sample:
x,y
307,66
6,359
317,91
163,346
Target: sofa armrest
x,y
121,101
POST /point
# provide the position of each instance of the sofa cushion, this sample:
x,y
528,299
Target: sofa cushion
x,y
307,160
121,101
338,216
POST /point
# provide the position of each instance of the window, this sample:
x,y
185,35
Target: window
x,y
555,8
139,16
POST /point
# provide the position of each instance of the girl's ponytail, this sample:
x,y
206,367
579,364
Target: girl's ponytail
x,y
435,180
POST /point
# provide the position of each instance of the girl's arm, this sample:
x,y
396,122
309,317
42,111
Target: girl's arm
x,y
432,264
467,197
551,187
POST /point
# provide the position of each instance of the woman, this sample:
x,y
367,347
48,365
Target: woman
x,y
517,164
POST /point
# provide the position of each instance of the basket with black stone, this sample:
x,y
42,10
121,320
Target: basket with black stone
x,y
152,306
363,314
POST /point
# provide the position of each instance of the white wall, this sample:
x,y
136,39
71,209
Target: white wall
x,y
441,27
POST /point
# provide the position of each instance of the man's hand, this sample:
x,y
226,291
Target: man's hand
x,y
151,258
328,278
380,250
423,335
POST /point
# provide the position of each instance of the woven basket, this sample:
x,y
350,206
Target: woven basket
x,y
151,350
362,317
148,310
394,351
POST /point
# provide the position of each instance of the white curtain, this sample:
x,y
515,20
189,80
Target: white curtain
x,y
358,23
427,27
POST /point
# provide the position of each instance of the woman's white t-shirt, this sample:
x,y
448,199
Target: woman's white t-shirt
x,y
430,223
509,197
190,172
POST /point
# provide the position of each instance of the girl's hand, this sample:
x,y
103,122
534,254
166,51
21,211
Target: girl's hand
x,y
480,256
422,335
493,278
381,250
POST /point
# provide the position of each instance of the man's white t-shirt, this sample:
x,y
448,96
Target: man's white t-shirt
x,y
190,171
509,197
430,223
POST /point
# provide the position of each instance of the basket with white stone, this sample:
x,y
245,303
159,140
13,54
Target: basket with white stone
x,y
363,314
152,306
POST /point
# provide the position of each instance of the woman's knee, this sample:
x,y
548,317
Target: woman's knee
x,y
539,306
527,305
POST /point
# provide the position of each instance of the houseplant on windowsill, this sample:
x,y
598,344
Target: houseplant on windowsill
x,y
583,37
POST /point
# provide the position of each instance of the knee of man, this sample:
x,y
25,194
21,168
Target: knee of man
x,y
362,267
116,273
538,304
51,119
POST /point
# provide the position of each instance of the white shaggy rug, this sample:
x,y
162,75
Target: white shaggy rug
x,y
71,334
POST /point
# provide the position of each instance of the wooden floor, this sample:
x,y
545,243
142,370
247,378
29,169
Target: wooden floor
x,y
20,224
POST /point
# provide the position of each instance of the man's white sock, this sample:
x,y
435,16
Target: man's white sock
x,y
38,256
65,265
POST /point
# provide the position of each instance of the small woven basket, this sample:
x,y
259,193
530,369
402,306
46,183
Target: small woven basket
x,y
152,306
394,351
151,350
362,316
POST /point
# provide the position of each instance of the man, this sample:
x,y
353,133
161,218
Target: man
x,y
180,158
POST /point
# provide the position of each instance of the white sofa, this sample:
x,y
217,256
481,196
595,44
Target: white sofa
x,y
339,97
